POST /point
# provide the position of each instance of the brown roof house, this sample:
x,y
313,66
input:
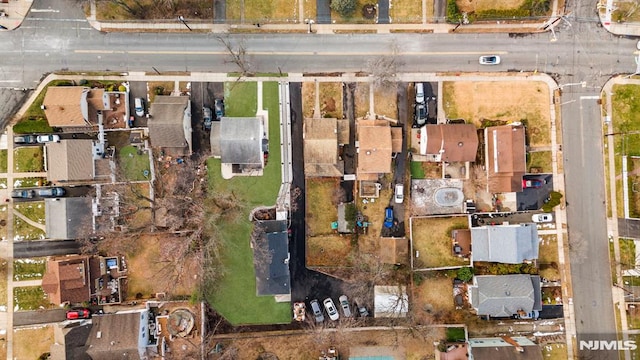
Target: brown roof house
x,y
70,160
375,148
170,125
122,335
448,142
321,148
505,158
67,279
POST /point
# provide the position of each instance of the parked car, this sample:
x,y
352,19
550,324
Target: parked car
x,y
421,114
78,314
489,60
388,217
206,116
344,304
25,139
22,194
138,104
362,310
542,218
315,307
299,313
51,192
331,309
533,315
398,195
47,138
218,105
419,93
532,183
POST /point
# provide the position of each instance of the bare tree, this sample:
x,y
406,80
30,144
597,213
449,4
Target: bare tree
x,y
238,55
383,69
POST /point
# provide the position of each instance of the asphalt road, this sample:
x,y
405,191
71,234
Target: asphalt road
x,y
31,249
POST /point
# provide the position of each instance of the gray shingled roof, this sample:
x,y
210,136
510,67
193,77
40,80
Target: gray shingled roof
x,y
241,140
70,160
67,218
166,126
509,244
115,336
504,295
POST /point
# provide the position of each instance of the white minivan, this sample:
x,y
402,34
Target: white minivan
x,y
138,103
419,93
399,194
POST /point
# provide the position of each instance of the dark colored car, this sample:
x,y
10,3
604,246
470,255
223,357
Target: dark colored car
x,y
218,105
421,114
388,217
23,194
25,139
206,115
78,314
51,192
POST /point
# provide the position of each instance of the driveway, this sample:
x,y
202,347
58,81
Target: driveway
x,y
323,12
383,12
138,89
31,249
202,94
219,11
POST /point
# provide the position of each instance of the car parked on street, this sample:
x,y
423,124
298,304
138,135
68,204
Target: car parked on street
x,y
78,314
489,60
25,139
22,194
317,313
344,305
51,192
388,217
542,218
47,138
331,309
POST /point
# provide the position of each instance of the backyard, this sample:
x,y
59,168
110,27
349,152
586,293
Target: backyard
x,y
134,163
239,280
433,299
477,102
321,211
432,239
330,250
28,159
32,342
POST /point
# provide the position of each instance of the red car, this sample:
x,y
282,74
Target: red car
x,y
78,314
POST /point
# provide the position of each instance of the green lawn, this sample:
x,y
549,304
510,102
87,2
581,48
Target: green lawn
x,y
33,210
24,231
241,98
29,298
626,118
28,159
133,164
627,254
417,172
29,269
540,160
3,161
235,295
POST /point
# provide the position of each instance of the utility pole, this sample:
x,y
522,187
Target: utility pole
x,y
181,18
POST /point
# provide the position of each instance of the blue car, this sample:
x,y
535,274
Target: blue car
x,y
388,217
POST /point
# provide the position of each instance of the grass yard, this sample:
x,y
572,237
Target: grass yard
x,y
263,11
425,170
478,101
30,298
33,210
356,18
24,231
310,8
150,9
484,5
361,99
331,100
239,279
555,352
540,160
3,183
374,211
31,342
134,164
626,118
241,99
29,269
3,222
407,11
28,182
385,101
433,299
3,285
159,88
548,257
320,209
627,253
432,238
3,160
28,159
308,98
625,11
329,250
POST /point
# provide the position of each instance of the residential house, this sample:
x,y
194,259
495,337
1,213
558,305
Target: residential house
x,y
271,256
509,244
241,143
390,301
505,295
322,148
504,348
375,147
68,217
122,335
447,142
70,340
67,279
505,158
170,126
70,160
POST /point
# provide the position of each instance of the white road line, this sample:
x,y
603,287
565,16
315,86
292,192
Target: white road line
x,y
61,20
10,81
293,53
595,97
45,10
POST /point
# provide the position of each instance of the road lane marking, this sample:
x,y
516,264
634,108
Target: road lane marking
x,y
45,10
293,53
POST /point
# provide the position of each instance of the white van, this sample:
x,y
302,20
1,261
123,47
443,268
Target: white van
x,y
138,103
419,93
399,194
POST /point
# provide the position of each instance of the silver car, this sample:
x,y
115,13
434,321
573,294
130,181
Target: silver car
x,y
315,307
489,60
344,304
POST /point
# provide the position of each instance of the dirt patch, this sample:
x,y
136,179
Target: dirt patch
x,y
385,101
308,98
322,197
493,100
361,98
329,250
432,238
331,100
484,5
30,343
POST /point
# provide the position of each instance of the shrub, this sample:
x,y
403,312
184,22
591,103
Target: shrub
x,y
465,274
453,12
345,8
554,200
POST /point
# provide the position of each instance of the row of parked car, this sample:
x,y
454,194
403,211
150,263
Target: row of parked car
x,y
35,139
218,105
332,311
51,192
